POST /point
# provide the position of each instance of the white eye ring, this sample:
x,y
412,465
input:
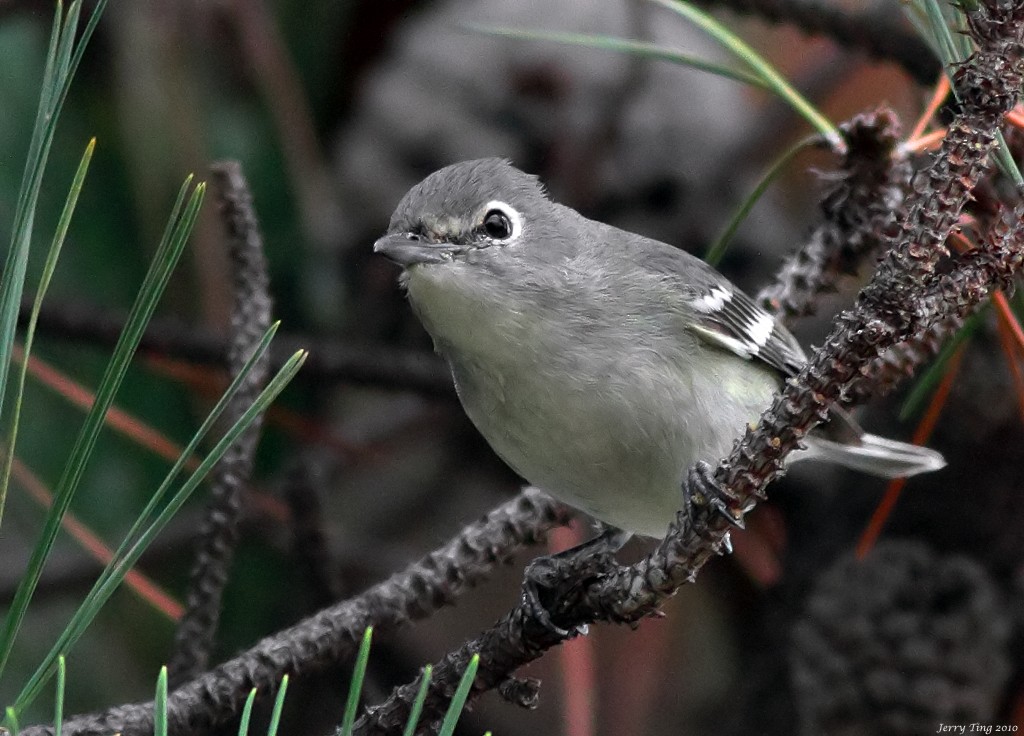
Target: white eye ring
x,y
500,222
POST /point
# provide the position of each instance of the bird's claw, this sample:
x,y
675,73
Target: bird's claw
x,y
540,576
726,547
705,490
546,577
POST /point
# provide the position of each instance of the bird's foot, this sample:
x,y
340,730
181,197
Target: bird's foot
x,y
548,579
705,490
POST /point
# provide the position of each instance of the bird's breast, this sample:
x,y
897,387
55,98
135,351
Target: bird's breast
x,y
600,410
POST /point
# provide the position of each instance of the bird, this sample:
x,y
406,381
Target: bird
x,y
599,364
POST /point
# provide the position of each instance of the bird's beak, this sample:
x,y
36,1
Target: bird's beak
x,y
406,251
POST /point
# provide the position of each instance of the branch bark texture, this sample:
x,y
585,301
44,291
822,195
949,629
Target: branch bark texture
x,y
216,697
250,319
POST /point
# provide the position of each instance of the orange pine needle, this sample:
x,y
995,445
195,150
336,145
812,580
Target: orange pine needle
x,y
1012,337
140,584
938,97
209,382
960,241
1016,117
117,419
1008,318
925,142
924,430
204,380
313,432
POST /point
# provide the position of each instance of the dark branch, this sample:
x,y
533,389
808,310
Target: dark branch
x,y
309,547
333,634
329,360
857,210
250,319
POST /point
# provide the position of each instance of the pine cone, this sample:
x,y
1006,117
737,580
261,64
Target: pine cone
x,y
898,643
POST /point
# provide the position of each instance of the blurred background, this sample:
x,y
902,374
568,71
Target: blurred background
x,y
334,109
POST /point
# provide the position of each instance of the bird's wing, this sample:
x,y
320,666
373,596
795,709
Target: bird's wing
x,y
720,313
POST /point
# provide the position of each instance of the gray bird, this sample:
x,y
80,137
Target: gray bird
x,y
599,364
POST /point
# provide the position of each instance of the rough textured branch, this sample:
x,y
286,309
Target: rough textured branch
x,y
333,634
857,210
250,319
309,546
329,360
899,362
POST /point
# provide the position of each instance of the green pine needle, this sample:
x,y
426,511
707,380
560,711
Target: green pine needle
x,y
167,255
717,250
62,59
58,703
275,715
774,81
949,50
44,283
641,49
451,717
355,688
925,385
417,703
160,704
135,531
935,24
132,548
11,722
243,725
953,48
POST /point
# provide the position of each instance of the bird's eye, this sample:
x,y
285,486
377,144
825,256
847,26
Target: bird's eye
x,y
497,225
500,222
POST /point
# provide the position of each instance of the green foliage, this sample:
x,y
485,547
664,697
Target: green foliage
x,y
641,49
275,715
62,59
58,706
243,725
356,686
160,704
44,283
160,719
451,718
417,704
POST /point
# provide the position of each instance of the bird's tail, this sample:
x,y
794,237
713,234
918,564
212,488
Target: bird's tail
x,y
843,442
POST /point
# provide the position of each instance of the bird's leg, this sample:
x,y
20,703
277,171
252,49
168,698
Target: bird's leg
x,y
577,564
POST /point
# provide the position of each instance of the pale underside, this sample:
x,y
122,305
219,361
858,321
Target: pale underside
x,y
589,425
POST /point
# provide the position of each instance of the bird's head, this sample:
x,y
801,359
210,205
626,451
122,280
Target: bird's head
x,y
463,210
